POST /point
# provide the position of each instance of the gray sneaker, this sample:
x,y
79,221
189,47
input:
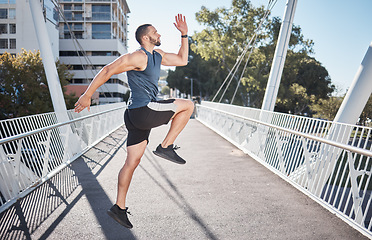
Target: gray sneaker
x,y
169,154
120,215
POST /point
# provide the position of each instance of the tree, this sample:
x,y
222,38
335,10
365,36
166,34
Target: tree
x,y
300,68
216,48
23,85
226,34
297,100
165,90
204,73
326,108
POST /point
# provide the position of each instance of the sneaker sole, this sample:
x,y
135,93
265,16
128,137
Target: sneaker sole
x,y
167,158
113,215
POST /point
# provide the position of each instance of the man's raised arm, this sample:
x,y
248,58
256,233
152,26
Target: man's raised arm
x,y
180,59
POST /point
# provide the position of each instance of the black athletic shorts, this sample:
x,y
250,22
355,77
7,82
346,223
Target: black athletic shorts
x,y
140,121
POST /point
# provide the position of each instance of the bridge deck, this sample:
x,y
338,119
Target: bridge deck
x,y
220,193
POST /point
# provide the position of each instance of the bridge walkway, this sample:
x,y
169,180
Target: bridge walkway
x,y
220,193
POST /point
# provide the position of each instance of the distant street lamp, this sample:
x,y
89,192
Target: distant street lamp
x,y
192,92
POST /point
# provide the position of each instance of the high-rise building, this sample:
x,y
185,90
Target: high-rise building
x,y
17,29
92,34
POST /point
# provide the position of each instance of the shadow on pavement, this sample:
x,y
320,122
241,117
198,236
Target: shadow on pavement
x,y
27,215
180,201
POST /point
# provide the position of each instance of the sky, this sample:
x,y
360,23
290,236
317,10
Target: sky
x,y
341,29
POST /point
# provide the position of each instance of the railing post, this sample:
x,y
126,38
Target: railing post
x,y
357,200
46,158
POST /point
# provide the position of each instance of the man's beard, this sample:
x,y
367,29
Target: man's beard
x,y
155,42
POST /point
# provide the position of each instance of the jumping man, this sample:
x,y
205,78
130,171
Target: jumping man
x,y
144,110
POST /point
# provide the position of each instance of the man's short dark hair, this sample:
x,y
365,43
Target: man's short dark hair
x,y
141,31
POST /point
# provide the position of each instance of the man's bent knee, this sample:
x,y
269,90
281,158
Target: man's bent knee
x,y
190,105
184,105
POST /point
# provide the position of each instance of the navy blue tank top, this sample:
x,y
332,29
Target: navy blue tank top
x,y
144,84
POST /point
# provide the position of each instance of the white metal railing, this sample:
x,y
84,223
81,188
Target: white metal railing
x,y
330,162
35,148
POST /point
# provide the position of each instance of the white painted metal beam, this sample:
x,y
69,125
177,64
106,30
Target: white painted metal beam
x,y
279,57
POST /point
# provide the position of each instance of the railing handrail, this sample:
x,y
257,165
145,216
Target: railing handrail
x,y
36,131
309,136
279,113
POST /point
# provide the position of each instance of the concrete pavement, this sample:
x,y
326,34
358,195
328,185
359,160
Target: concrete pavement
x,y
220,193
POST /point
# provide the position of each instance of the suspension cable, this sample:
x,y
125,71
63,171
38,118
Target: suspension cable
x,y
249,56
80,50
269,7
241,76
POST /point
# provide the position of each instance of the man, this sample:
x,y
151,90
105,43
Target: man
x,y
144,111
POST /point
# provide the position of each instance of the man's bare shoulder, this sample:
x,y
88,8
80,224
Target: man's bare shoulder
x,y
136,59
161,52
137,54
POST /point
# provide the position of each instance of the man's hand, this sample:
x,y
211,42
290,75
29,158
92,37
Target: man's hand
x,y
181,24
83,102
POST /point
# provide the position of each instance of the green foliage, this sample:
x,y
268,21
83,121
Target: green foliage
x,y
326,108
23,85
165,90
214,51
297,99
205,75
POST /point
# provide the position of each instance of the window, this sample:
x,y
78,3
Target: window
x,y
77,81
77,67
12,44
12,1
101,53
3,43
3,13
12,13
101,8
69,53
66,28
3,28
78,16
67,7
101,12
3,1
80,81
12,28
78,26
101,31
68,15
78,7
78,35
111,94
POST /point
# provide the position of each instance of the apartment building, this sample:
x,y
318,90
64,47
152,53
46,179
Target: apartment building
x,y
93,33
90,34
17,29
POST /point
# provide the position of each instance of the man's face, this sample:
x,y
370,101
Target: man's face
x,y
154,36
